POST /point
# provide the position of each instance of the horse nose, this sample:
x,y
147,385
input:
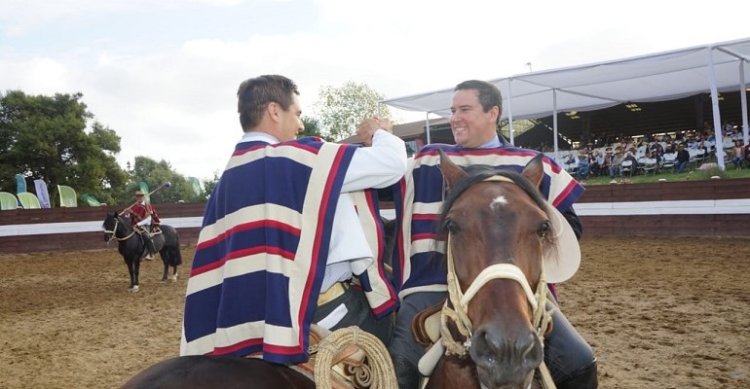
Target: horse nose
x,y
506,359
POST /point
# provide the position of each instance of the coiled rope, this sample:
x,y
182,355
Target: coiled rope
x,y
379,375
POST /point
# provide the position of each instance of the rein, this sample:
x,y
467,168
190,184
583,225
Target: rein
x,y
113,232
456,311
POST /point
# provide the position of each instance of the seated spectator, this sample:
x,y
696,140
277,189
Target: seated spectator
x,y
630,156
683,157
738,154
584,165
617,159
597,161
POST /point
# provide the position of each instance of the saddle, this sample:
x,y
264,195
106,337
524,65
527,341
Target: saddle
x,y
426,325
425,328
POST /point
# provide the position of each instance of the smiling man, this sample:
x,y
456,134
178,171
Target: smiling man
x,y
420,269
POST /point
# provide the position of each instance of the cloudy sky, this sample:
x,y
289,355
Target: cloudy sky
x,y
164,73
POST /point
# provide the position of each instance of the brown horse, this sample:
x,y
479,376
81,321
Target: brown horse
x,y
197,372
360,357
499,230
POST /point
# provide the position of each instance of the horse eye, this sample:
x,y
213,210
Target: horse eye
x,y
543,229
450,225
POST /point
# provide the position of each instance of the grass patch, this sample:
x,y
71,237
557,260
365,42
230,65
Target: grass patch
x,y
691,174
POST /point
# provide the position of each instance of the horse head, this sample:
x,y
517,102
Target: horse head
x,y
499,229
112,223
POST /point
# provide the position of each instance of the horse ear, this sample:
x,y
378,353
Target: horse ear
x,y
534,170
452,172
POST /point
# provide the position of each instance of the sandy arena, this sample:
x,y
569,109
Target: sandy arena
x,y
659,314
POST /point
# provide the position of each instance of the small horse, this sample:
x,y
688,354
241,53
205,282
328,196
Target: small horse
x,y
498,230
132,246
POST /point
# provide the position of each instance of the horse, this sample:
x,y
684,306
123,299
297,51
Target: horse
x,y
132,246
491,342
498,230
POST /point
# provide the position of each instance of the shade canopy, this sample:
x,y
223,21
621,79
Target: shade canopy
x,y
656,77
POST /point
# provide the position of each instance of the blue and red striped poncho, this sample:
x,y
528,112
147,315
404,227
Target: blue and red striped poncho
x,y
418,261
262,250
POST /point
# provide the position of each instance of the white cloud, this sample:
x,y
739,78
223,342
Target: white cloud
x,y
178,102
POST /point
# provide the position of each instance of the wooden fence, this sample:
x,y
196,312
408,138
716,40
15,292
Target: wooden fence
x,y
715,208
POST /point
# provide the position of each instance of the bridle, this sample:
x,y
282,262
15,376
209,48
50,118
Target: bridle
x,y
455,309
113,232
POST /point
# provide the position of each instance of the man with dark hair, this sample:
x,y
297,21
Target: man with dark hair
x,y
288,228
476,111
683,158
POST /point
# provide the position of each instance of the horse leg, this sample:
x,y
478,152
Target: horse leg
x,y
136,271
133,270
166,266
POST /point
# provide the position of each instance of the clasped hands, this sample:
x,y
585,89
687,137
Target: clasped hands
x,y
367,128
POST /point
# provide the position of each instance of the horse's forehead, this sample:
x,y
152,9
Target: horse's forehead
x,y
498,202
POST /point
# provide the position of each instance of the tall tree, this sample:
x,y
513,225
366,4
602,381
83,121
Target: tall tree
x,y
155,173
312,128
342,108
45,137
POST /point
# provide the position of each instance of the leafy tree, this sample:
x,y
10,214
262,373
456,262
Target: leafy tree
x,y
342,108
45,137
154,174
312,128
209,185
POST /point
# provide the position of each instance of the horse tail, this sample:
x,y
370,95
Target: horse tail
x,y
171,247
175,256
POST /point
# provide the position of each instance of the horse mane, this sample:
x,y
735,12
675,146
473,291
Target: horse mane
x,y
481,172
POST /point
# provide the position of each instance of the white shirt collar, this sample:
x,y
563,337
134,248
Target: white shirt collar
x,y
258,136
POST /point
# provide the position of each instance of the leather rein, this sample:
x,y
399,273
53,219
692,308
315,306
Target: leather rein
x,y
113,232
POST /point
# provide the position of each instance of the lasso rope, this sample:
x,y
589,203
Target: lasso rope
x,y
382,374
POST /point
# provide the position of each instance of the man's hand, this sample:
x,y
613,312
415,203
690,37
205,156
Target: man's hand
x,y
367,128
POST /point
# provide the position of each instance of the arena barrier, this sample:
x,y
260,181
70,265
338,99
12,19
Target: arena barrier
x,y
714,208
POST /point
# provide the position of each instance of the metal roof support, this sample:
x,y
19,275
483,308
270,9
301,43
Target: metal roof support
x,y
427,127
743,100
510,112
554,125
715,105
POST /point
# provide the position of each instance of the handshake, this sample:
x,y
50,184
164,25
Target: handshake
x,y
367,128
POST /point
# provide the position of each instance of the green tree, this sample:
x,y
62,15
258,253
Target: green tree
x,y
342,108
209,185
312,128
154,174
45,137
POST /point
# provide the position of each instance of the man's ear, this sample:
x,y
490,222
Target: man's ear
x,y
452,172
273,110
496,111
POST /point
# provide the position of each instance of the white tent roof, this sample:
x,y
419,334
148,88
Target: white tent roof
x,y
656,77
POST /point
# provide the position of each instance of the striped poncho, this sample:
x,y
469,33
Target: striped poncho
x,y
262,251
418,260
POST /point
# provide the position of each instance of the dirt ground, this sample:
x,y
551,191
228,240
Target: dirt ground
x,y
659,314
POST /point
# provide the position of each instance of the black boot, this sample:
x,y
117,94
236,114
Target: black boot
x,y
149,245
407,374
585,378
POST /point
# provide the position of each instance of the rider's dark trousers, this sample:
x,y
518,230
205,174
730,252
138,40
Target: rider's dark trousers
x,y
567,355
358,313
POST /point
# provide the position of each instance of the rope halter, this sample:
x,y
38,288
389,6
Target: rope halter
x,y
455,309
113,232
